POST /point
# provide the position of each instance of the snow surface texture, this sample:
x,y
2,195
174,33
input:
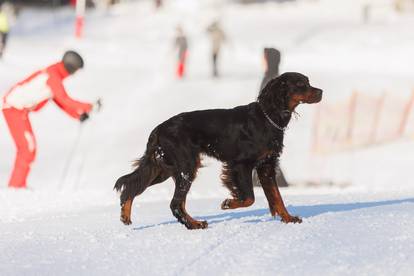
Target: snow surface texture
x,y
69,225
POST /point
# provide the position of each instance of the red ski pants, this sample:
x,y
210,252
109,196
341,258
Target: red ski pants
x,y
181,65
22,133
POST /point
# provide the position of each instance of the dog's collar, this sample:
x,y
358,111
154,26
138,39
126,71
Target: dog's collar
x,y
271,121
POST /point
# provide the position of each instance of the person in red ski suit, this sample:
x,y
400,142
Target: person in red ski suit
x,y
182,45
32,94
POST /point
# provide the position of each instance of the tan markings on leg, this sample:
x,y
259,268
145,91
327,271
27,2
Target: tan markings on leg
x,y
236,203
126,212
276,204
271,199
274,198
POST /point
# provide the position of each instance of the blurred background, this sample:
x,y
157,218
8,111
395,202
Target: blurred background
x,y
347,161
359,52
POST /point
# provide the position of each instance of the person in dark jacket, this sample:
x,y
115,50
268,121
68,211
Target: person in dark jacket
x,y
272,62
217,37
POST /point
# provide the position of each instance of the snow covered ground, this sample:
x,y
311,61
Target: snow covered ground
x,y
343,233
69,225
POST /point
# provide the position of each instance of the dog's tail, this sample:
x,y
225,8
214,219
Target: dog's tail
x,y
133,184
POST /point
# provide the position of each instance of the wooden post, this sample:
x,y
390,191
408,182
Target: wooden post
x,y
80,14
377,116
405,115
351,116
315,144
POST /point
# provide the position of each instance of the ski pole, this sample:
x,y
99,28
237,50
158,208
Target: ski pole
x,y
71,156
79,171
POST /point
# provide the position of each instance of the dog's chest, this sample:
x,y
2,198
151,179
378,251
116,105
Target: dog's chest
x,y
274,143
269,149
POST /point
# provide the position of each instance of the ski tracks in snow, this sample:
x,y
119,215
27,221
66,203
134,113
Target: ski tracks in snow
x,y
224,234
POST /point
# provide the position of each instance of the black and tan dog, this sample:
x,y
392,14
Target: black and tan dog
x,y
243,138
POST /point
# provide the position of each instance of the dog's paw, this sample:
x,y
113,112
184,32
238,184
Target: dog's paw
x,y
197,225
290,219
225,205
125,220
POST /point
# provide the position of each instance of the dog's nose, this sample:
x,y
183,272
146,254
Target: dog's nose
x,y
318,92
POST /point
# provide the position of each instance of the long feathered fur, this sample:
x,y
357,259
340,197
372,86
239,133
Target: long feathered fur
x,y
227,180
133,184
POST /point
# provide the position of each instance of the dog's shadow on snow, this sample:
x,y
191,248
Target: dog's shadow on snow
x,y
307,211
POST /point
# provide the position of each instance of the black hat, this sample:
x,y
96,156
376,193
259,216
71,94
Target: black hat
x,y
72,61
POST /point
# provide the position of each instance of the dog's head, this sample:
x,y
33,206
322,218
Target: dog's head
x,y
288,91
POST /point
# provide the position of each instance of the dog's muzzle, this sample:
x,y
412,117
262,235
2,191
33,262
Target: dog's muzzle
x,y
317,95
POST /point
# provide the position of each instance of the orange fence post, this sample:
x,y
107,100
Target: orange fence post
x,y
351,116
315,137
377,116
405,115
79,21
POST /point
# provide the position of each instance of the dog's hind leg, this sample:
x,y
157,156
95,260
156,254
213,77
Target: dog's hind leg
x,y
238,178
182,186
267,177
161,177
183,180
135,183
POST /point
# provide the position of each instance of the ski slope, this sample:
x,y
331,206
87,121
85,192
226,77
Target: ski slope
x,y
70,225
343,233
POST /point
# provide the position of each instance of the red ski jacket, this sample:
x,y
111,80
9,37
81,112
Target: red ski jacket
x,y
35,91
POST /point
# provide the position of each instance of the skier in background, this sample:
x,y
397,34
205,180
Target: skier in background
x,y
271,57
217,37
182,45
158,4
8,13
88,3
4,31
31,94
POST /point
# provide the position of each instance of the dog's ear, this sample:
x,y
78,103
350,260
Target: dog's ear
x,y
275,94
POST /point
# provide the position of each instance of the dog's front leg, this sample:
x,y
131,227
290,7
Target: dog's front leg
x,y
240,177
267,177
